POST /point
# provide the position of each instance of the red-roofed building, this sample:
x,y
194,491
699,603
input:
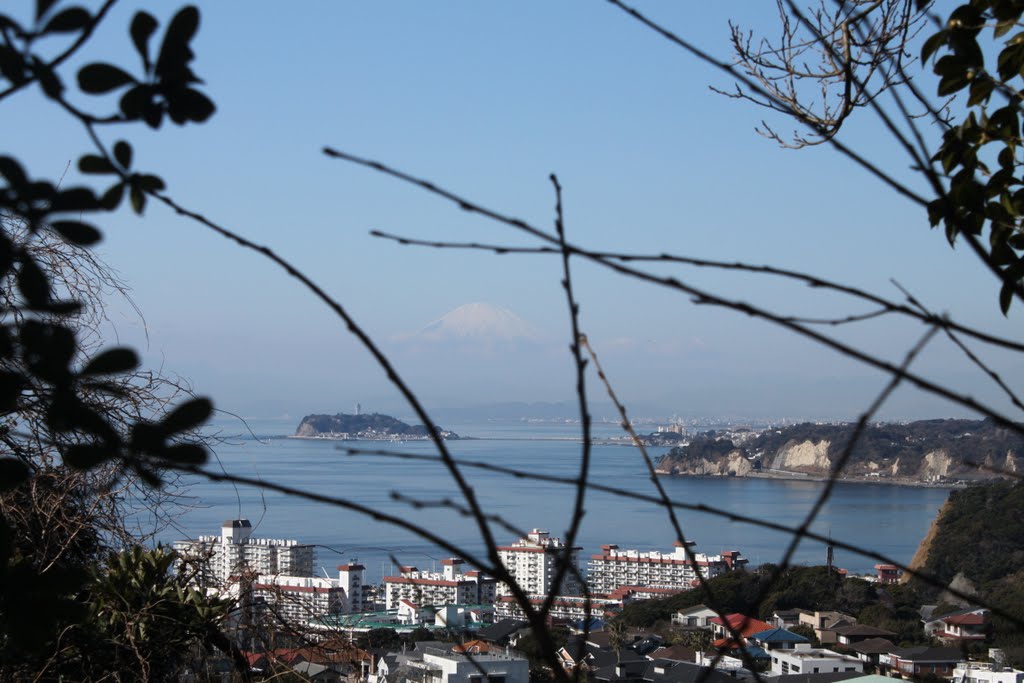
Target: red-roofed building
x,y
961,628
887,573
735,623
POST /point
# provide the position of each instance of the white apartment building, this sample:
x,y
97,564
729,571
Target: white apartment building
x,y
357,591
533,562
570,607
614,568
299,599
449,587
804,659
473,662
235,551
985,672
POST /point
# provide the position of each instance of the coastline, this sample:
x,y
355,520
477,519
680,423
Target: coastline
x,y
798,476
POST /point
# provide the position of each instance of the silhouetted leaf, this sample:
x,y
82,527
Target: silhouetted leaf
x,y
11,385
138,199
12,65
191,105
1006,297
47,78
110,362
99,78
174,52
32,282
186,454
87,456
74,199
12,473
148,437
77,233
95,164
13,172
6,255
123,154
133,102
187,415
143,26
112,197
149,183
66,21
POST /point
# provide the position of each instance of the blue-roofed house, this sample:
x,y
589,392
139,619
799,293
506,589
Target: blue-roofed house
x,y
777,639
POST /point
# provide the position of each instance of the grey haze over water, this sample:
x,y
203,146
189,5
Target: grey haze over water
x,y
887,519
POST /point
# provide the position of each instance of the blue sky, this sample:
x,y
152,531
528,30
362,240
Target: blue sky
x,y
488,99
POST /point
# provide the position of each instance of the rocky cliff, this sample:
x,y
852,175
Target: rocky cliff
x,y
928,451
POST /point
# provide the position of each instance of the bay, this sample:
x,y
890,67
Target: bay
x,y
890,520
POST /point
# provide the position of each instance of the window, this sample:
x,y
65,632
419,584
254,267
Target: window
x,y
496,679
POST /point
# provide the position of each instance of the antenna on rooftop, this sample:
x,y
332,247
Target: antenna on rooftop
x,y
830,550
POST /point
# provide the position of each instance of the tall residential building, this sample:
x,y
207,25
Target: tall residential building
x,y
613,568
235,551
449,587
533,562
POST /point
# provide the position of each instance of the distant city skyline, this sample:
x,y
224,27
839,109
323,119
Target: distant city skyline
x,y
488,100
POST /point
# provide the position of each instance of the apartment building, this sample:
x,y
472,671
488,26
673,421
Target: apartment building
x,y
449,587
533,562
216,558
614,568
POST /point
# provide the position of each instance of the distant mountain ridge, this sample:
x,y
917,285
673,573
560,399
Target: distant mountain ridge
x,y
926,451
363,426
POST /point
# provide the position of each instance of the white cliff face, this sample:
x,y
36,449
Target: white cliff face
x,y
803,456
735,463
936,464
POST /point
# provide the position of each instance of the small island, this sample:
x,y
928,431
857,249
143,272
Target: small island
x,y
364,427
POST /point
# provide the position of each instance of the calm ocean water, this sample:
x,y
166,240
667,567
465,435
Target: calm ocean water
x,y
889,519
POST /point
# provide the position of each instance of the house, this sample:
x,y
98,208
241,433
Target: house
x,y
784,618
869,651
887,573
915,662
962,626
825,623
737,623
503,632
856,633
777,639
658,671
698,616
